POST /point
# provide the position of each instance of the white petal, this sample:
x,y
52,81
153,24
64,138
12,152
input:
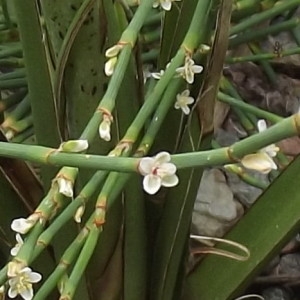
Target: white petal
x,y
261,162
19,239
185,109
166,169
189,100
176,105
27,294
180,70
151,184
78,214
146,164
21,225
65,187
12,292
34,277
109,66
155,4
14,251
113,51
166,5
189,77
74,146
169,181
104,130
185,93
157,75
197,69
261,125
271,150
162,157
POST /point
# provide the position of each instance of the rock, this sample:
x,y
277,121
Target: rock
x,y
215,209
276,293
243,192
290,264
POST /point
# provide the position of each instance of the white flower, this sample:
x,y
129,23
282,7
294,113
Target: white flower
x,y
23,225
157,75
109,66
65,186
189,69
183,100
79,213
165,4
104,128
74,146
112,53
21,283
261,161
14,251
204,49
158,171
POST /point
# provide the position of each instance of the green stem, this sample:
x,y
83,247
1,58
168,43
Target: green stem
x,y
81,264
251,35
265,15
249,108
284,129
13,83
262,56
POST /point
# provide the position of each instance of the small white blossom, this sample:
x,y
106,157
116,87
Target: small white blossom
x,y
21,283
65,186
261,161
114,50
165,4
189,69
157,75
104,128
14,251
158,171
204,49
183,100
109,66
112,53
23,225
79,213
74,146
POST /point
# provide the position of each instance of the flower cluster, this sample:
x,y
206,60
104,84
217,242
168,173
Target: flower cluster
x,y
157,171
261,161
